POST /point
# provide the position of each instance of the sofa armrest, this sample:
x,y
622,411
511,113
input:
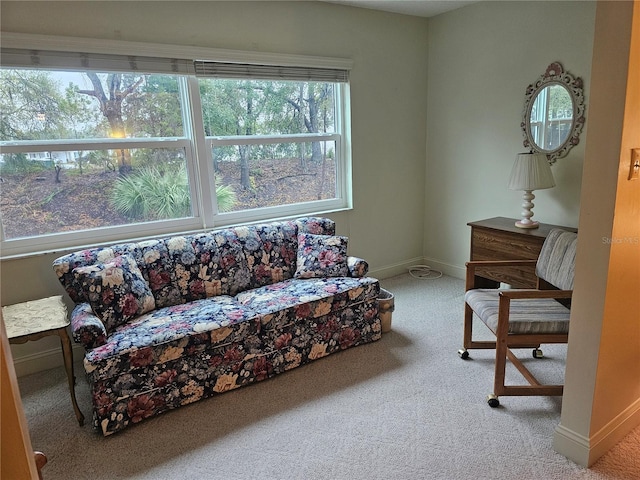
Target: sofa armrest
x,y
87,328
357,267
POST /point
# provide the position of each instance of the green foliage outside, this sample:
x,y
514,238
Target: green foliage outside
x,y
151,194
154,194
226,198
19,164
560,103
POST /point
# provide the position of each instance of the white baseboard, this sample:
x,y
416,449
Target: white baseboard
x,y
403,267
389,271
572,445
446,268
44,360
585,451
614,431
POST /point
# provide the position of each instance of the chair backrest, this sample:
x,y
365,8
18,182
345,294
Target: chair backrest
x,y
556,263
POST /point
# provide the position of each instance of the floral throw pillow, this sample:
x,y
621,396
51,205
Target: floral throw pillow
x,y
116,290
321,256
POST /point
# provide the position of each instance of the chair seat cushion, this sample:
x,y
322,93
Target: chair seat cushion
x,y
526,316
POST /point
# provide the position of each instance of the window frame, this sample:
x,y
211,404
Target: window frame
x,y
197,147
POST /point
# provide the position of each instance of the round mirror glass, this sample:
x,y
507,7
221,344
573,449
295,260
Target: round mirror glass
x,y
554,113
551,118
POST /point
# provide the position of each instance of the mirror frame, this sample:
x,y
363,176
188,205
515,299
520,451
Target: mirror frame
x,y
555,75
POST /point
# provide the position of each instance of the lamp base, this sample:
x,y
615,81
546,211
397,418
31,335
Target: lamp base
x,y
527,211
529,224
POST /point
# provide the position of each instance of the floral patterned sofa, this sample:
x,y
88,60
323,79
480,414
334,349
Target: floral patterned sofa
x,y
171,321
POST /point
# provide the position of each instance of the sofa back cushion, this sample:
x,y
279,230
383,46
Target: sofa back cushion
x,y
220,263
270,251
180,269
316,225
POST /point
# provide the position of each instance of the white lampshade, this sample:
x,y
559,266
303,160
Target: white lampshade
x,y
531,171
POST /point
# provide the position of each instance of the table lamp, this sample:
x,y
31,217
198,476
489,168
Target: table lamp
x,y
531,171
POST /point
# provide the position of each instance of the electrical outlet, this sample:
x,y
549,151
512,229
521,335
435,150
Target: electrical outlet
x,y
634,169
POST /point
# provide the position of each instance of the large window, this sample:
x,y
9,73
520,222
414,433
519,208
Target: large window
x,y
151,146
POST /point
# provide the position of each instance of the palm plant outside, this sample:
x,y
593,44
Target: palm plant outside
x,y
152,194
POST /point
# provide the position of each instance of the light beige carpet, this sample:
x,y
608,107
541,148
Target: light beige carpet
x,y
406,407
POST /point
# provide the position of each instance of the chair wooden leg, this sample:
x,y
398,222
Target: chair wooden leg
x,y
467,339
500,369
468,326
501,345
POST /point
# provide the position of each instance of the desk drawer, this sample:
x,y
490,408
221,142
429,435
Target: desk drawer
x,y
497,245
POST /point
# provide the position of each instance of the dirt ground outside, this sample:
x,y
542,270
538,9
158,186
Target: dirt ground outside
x,y
35,204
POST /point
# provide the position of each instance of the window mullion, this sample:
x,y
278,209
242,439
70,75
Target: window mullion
x,y
203,165
343,148
106,144
271,139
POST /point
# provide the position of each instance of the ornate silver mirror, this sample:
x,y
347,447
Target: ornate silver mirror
x,y
553,113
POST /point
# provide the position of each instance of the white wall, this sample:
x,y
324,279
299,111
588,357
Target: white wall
x,y
388,106
481,59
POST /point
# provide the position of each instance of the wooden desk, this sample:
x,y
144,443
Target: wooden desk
x,y
40,318
499,239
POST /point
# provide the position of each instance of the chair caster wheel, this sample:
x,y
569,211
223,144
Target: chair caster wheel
x,y
463,353
493,401
537,353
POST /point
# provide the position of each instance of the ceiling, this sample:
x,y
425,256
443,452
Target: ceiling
x,y
419,8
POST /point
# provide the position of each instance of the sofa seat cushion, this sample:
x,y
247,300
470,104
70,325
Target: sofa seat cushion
x,y
297,299
172,332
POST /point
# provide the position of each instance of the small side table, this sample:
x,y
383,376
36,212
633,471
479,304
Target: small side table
x,y
40,318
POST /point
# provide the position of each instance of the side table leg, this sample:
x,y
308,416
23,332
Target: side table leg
x,y
68,365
